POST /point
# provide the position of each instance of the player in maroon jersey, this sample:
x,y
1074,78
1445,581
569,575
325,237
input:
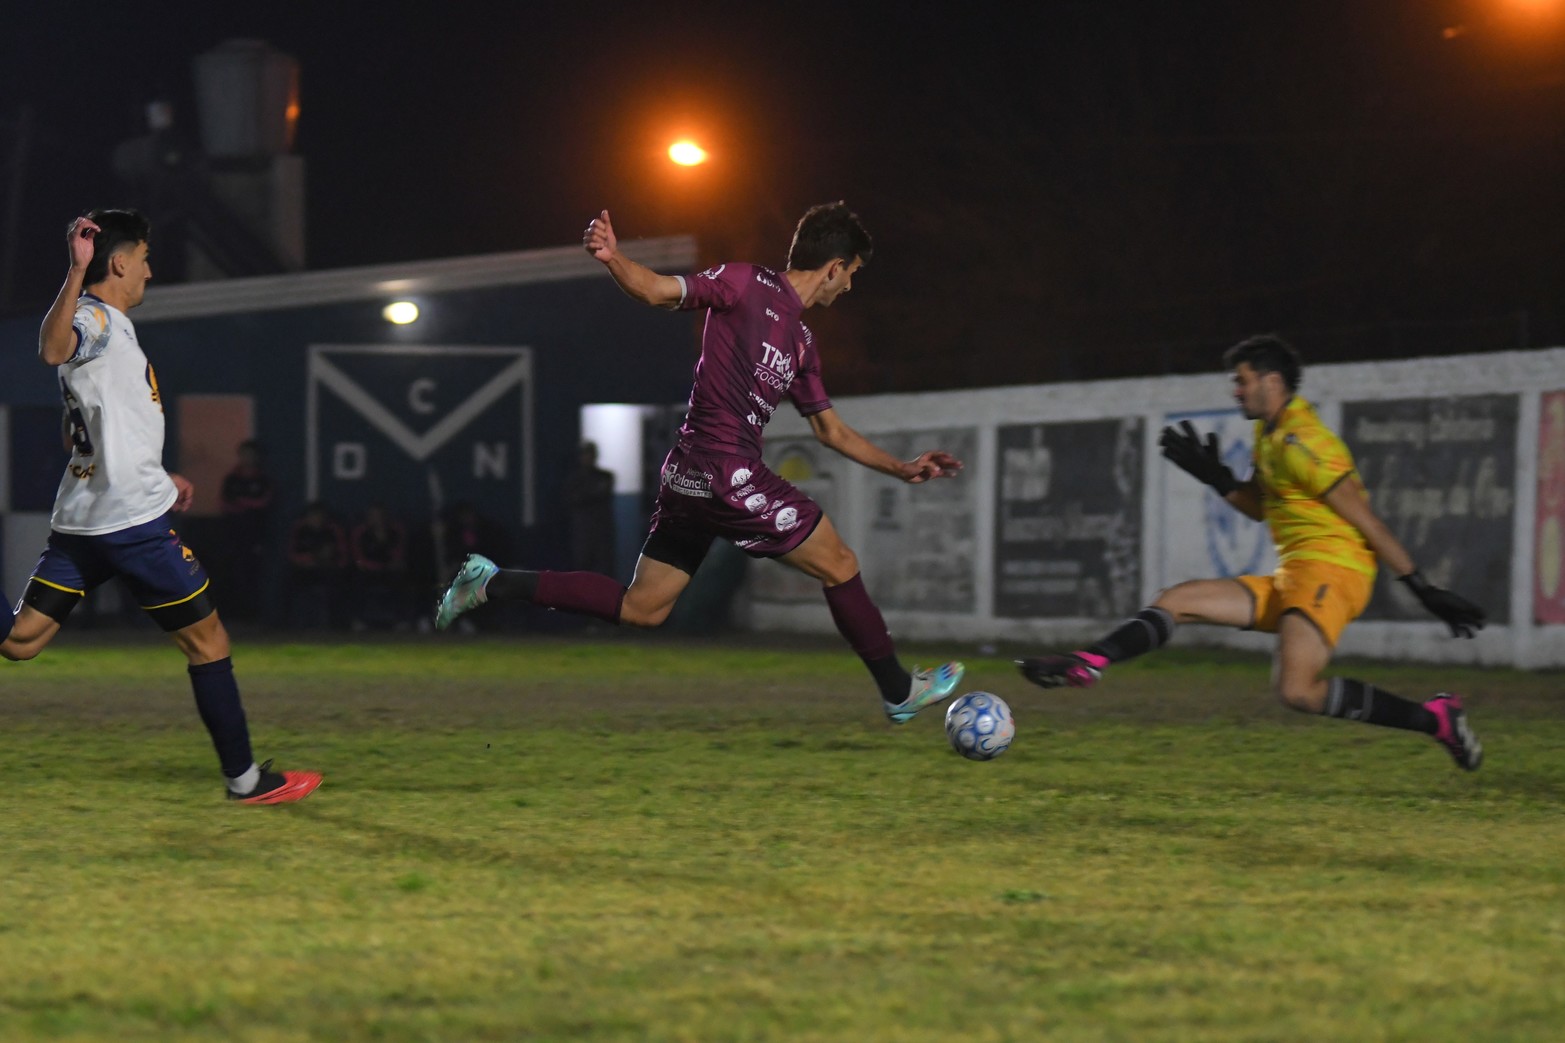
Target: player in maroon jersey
x,y
754,351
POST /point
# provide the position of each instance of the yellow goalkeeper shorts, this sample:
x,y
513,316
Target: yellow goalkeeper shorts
x,y
1330,595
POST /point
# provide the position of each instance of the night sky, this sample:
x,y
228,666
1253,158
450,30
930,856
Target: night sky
x,y
1095,189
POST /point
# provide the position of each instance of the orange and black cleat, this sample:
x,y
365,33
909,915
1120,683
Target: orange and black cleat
x,y
279,787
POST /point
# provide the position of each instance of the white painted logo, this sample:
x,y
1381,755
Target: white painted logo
x,y
755,502
787,518
739,477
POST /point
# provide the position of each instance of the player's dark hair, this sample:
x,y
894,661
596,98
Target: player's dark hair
x,y
1267,353
827,233
117,229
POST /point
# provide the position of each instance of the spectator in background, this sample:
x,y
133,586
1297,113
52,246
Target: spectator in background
x,y
589,496
247,510
466,529
379,548
318,558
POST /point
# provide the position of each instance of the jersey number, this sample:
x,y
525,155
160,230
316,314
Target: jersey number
x,y
81,441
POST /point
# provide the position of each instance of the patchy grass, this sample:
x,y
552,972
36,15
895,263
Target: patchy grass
x,y
657,840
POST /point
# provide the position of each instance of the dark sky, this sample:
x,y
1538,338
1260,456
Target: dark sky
x,y
1089,189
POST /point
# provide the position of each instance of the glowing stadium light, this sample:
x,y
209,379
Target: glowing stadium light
x,y
400,312
686,153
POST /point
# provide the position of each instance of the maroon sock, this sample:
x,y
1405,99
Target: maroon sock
x,y
861,624
585,593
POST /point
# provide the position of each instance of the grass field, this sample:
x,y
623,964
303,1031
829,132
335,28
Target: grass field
x,y
636,839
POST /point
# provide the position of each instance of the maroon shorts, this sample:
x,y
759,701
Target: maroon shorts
x,y
706,496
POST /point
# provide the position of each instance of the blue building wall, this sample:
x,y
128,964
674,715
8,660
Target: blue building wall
x,y
589,343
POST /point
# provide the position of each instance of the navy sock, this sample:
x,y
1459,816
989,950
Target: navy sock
x,y
217,700
1143,632
1361,701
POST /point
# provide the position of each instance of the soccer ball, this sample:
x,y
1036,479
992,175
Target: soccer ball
x,y
979,726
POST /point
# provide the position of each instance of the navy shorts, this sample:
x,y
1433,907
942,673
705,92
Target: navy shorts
x,y
707,496
161,573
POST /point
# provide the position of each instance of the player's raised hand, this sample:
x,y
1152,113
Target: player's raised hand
x,y
937,463
1463,617
1200,458
599,238
78,240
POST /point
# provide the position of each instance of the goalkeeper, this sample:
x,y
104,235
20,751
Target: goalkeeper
x,y
1328,538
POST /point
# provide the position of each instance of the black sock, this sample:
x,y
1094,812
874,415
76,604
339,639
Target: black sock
x,y
893,681
1360,701
217,700
1141,633
512,585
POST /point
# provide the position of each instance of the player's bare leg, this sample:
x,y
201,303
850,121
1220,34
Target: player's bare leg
x,y
1299,681
824,556
31,630
1222,602
652,592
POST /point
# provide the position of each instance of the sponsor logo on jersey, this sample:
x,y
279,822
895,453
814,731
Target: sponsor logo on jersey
x,y
765,279
755,502
771,379
773,315
787,518
712,273
739,477
777,360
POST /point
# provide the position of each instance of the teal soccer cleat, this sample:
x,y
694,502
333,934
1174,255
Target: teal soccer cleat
x,y
466,591
929,687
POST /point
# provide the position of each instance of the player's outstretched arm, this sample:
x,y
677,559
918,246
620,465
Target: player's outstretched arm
x,y
1202,459
637,280
831,431
1347,498
57,338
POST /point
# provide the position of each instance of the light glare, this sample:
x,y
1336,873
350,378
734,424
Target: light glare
x,y
686,153
401,312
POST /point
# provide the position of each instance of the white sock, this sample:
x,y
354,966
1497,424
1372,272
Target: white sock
x,y
246,782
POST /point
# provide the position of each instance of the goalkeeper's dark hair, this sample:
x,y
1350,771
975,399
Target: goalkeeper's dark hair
x,y
117,229
1267,353
826,233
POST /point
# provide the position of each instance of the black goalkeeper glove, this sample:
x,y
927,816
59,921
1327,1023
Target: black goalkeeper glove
x,y
1201,459
1462,616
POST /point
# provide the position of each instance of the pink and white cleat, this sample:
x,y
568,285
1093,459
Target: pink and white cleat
x,y
1073,670
1455,734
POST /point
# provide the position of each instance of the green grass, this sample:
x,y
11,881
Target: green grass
x,y
649,840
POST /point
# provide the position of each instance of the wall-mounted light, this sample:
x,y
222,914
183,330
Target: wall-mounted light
x,y
400,312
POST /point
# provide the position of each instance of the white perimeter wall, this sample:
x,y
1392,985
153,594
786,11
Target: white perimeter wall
x,y
899,539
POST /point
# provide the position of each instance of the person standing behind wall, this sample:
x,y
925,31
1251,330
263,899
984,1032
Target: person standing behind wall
x,y
589,495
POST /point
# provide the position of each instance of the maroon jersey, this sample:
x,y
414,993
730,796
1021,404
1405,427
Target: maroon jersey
x,y
754,351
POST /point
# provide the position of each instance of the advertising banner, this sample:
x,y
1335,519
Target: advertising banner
x,y
1068,517
1441,473
922,547
1548,590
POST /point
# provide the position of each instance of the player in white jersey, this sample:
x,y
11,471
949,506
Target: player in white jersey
x,y
111,516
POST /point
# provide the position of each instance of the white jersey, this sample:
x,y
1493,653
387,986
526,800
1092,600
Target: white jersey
x,y
115,478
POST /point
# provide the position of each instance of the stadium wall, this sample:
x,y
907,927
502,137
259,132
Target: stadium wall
x,y
478,400
1067,518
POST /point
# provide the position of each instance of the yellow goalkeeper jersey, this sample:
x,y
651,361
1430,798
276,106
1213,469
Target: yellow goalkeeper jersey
x,y
1297,462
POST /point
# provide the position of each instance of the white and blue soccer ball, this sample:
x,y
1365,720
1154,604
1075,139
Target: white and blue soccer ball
x,y
980,726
